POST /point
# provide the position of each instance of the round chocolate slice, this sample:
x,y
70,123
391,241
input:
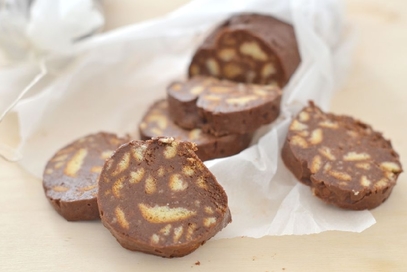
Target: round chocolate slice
x,y
223,107
345,161
157,122
228,108
250,48
157,197
182,98
70,177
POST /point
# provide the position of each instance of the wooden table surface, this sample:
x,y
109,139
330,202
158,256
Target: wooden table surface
x,y
34,238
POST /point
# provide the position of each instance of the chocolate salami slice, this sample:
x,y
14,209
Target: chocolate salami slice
x,y
157,197
249,48
182,97
345,161
157,122
222,107
70,176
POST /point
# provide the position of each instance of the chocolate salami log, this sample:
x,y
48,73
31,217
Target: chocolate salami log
x,y
249,48
157,197
222,107
70,177
345,161
157,122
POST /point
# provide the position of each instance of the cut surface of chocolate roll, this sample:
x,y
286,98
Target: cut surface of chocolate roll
x,y
182,97
223,107
157,122
157,197
251,48
70,176
345,161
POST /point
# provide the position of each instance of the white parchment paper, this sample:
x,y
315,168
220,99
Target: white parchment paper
x,y
108,81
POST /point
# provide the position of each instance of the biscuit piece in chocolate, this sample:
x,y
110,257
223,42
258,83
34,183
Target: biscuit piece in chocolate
x,y
157,122
70,176
249,48
345,161
157,197
222,107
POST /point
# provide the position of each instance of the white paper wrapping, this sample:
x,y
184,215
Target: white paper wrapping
x,y
31,30
109,81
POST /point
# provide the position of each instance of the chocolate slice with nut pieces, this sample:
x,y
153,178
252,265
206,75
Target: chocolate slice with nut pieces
x,y
157,122
251,48
70,177
345,161
157,197
222,107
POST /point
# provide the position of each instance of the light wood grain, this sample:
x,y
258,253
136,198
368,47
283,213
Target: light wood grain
x,y
34,238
